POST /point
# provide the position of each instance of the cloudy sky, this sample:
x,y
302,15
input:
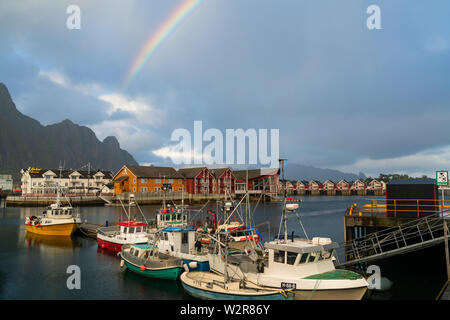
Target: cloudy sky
x,y
343,96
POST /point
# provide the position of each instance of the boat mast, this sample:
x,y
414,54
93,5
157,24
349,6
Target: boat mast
x,y
284,217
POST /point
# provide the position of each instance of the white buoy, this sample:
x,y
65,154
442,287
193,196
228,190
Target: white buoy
x,y
185,267
193,265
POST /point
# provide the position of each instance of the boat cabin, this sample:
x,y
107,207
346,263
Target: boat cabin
x,y
132,227
143,251
54,211
177,240
300,257
171,218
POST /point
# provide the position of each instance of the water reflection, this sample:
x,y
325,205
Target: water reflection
x,y
37,240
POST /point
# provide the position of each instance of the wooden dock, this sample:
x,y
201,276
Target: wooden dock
x,y
89,229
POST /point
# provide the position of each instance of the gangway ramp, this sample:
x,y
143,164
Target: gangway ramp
x,y
411,236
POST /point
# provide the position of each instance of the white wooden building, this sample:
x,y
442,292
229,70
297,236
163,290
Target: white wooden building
x,y
36,181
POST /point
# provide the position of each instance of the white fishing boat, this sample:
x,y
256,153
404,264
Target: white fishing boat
x,y
130,232
303,265
210,286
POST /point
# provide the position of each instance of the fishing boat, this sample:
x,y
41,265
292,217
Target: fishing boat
x,y
127,232
210,286
57,220
237,232
214,286
130,231
184,244
147,261
303,265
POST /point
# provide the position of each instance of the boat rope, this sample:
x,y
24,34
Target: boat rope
x,y
442,290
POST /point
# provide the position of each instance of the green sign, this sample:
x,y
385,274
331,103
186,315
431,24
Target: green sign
x,y
442,178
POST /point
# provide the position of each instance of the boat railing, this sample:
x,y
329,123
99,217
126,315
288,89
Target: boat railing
x,y
109,231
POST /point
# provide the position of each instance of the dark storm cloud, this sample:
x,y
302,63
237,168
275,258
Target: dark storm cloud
x,y
337,91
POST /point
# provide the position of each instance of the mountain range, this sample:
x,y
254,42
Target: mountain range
x,y
25,142
300,172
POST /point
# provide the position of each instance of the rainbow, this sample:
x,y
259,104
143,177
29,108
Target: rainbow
x,y
155,40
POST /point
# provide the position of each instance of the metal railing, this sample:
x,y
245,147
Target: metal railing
x,y
398,208
406,237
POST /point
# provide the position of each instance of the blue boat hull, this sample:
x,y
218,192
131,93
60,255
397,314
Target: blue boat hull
x,y
202,266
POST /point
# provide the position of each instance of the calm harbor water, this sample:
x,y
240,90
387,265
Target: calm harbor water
x,y
33,267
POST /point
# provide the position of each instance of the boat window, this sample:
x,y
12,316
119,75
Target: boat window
x,y
184,237
138,229
303,258
125,230
131,230
136,253
166,237
278,256
131,250
291,256
178,216
146,255
312,257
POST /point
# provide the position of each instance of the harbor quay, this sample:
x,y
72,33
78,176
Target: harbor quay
x,y
195,185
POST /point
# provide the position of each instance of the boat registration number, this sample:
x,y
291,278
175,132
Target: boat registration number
x,y
288,285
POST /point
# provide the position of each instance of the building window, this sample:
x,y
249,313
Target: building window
x,y
170,181
134,189
157,180
134,181
144,180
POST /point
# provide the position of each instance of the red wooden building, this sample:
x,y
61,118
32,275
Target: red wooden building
x,y
225,180
197,180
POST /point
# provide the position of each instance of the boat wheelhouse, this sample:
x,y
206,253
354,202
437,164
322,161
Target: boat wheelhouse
x,y
127,232
169,217
184,244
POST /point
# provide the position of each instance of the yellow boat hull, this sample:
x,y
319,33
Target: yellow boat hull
x,y
54,230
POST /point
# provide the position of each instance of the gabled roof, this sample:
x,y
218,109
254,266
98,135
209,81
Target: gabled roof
x,y
220,171
190,173
155,172
65,174
255,173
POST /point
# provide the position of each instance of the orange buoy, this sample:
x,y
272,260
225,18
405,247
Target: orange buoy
x,y
143,268
103,245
